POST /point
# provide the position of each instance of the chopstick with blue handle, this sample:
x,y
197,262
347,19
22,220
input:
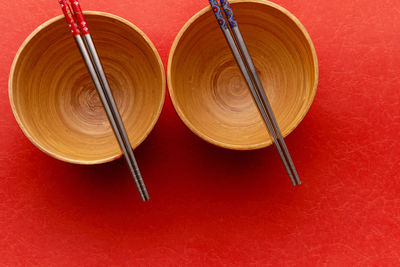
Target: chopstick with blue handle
x,y
250,66
254,91
104,92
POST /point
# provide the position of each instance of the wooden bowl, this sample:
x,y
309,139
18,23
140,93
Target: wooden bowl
x,y
56,104
207,88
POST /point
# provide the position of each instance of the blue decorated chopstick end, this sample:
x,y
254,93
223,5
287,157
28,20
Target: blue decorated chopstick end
x,y
218,14
229,13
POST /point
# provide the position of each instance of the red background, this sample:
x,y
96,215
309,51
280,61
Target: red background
x,y
212,206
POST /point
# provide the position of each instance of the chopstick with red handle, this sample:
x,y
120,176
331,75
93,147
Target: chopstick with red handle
x,y
95,69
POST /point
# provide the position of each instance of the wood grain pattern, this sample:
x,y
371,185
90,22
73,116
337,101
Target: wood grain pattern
x,y
207,88
55,102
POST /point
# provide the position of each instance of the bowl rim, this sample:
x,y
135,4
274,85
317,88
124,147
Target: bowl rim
x,y
182,115
25,130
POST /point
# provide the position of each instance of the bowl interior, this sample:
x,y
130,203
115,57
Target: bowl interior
x,y
54,99
207,88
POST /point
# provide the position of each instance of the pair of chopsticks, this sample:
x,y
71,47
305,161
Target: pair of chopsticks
x,y
248,70
77,25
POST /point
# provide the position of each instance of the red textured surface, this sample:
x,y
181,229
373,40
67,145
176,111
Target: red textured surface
x,y
212,206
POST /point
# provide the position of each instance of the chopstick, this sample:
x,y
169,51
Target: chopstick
x,y
260,90
248,70
94,66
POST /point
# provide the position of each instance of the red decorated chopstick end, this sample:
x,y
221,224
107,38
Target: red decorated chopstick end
x,y
69,17
79,17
